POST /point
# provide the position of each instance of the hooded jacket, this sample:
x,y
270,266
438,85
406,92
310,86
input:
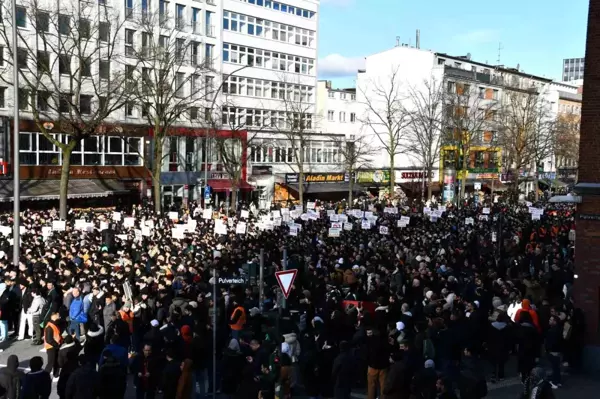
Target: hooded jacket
x,y
526,307
37,304
11,378
37,385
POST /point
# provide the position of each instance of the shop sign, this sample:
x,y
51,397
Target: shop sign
x,y
373,176
547,176
219,176
262,170
292,178
415,175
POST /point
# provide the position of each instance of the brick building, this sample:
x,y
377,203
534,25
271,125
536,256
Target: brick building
x,y
587,258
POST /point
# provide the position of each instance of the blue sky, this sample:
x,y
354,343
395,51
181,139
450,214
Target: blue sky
x,y
536,34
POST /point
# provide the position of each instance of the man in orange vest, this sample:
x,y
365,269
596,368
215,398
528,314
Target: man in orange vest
x,y
237,320
52,341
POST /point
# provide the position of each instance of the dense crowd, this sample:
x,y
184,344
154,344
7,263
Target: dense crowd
x,y
402,300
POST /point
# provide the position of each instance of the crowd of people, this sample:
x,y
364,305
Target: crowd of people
x,y
416,309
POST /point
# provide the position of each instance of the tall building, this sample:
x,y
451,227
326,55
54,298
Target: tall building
x,y
573,69
248,62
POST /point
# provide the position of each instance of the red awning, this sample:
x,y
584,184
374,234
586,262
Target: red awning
x,y
224,185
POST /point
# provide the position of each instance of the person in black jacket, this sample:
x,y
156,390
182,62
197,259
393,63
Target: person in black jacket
x,y
11,378
69,345
94,344
71,364
170,376
83,383
423,385
146,373
554,338
54,300
112,377
37,383
378,361
25,320
499,343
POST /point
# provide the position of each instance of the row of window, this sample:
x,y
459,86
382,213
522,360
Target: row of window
x,y
465,89
341,115
43,63
267,89
260,118
185,52
268,29
343,96
36,149
48,102
315,152
279,6
267,59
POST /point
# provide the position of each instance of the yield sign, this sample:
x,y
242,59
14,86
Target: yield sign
x,y
286,279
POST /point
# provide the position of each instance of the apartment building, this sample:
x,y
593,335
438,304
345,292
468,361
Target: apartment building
x,y
244,60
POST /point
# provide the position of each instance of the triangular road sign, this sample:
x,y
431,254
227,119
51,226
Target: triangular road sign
x,y
286,278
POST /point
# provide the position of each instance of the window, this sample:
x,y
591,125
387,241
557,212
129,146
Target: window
x,y
64,24
129,109
481,92
128,9
21,17
84,29
43,101
193,113
352,97
343,96
2,97
441,61
129,42
86,67
1,56
64,102
42,21
496,94
179,85
457,64
179,49
196,26
352,117
24,97
22,58
104,31
104,69
64,64
331,94
85,104
451,88
342,117
330,115
43,62
180,16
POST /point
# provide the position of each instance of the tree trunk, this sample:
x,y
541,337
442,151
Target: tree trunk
x,y
535,185
301,187
156,168
233,198
463,181
350,189
392,176
429,181
64,177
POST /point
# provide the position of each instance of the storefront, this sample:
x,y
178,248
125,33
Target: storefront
x,y
323,186
415,182
263,180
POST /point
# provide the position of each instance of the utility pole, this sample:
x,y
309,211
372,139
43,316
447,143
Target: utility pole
x,y
261,280
16,160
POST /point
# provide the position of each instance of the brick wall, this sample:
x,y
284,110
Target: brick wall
x,y
587,248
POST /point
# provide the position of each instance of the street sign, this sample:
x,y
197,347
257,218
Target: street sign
x,y
207,191
477,186
285,279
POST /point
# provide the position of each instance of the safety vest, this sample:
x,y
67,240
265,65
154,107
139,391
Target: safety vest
x,y
127,317
239,325
55,333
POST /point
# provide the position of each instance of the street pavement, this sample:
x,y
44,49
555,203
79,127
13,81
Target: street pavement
x,y
573,386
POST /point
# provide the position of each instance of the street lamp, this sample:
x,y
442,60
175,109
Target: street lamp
x,y
16,160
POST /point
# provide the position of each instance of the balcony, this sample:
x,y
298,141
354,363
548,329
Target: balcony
x,y
197,27
180,23
211,31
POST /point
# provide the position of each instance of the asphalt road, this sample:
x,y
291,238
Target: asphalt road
x,y
574,386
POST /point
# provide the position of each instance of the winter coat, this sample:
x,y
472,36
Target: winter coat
x,y
141,364
294,345
37,385
6,305
170,379
397,382
343,374
66,370
83,383
11,378
65,350
185,385
107,312
36,306
232,365
472,384
77,311
499,340
118,352
378,354
112,377
94,344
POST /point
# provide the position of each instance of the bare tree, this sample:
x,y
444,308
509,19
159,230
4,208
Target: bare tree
x,y
424,133
71,79
356,153
525,129
468,115
386,117
172,83
566,136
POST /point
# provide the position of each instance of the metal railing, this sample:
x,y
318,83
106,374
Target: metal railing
x,y
211,31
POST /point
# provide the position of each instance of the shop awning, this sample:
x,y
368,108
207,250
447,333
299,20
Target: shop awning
x,y
313,188
224,185
553,183
50,189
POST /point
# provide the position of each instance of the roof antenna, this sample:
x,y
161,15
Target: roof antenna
x,y
418,42
397,41
500,48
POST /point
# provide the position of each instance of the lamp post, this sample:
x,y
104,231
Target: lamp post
x,y
16,160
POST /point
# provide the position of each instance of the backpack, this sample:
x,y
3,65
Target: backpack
x,y
428,349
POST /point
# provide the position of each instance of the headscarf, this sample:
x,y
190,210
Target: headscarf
x,y
186,334
234,345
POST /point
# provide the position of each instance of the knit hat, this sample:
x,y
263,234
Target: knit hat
x,y
399,326
429,364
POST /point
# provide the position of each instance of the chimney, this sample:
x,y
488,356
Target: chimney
x,y
418,42
397,41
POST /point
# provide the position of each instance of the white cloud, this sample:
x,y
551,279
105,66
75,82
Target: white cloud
x,y
337,66
478,36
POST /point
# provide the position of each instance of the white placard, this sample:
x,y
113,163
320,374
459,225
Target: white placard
x,y
426,210
207,214
402,223
368,214
330,212
269,225
365,225
310,205
334,232
486,211
80,224
528,204
391,210
295,214
240,228
469,221
342,218
128,222
494,238
304,217
116,216
173,216
150,223
336,225
293,231
277,222
535,216
275,213
46,231
59,225
483,217
138,235
285,218
5,230
405,219
357,213
89,227
347,226
477,186
177,233
383,230
103,225
433,218
220,227
22,230
191,225
245,214
334,218
285,211
146,231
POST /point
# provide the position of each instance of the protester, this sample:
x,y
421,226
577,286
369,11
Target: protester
x,y
11,378
37,383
